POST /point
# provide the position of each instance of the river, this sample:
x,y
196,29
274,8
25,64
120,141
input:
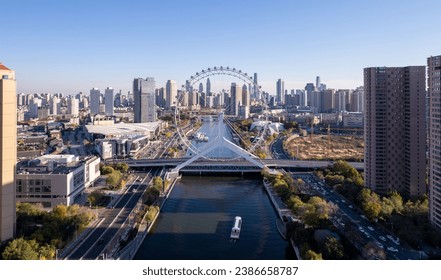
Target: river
x,y
196,221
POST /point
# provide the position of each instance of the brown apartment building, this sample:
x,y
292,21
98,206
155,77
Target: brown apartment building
x,y
434,83
395,130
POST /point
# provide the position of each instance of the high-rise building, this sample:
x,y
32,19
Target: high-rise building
x,y
108,101
434,85
171,93
160,97
144,100
309,89
95,96
340,101
236,99
208,87
394,131
255,88
280,91
73,106
357,100
54,105
8,151
318,84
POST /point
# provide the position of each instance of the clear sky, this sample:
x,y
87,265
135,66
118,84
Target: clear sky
x,y
70,46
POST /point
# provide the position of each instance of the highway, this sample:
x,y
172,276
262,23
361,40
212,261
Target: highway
x,y
94,245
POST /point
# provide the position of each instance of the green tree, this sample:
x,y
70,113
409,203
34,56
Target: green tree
x,y
95,197
333,249
397,201
106,170
343,168
308,254
22,249
122,167
157,182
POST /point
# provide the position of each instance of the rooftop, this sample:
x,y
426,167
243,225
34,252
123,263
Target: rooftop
x,y
120,129
2,67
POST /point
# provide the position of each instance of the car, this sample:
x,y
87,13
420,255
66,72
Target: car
x,y
364,217
396,241
379,244
350,206
367,234
361,229
392,249
370,228
390,237
382,238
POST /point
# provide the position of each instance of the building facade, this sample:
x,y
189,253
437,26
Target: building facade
x,y
108,101
55,179
8,151
95,97
171,92
434,85
280,92
144,100
395,134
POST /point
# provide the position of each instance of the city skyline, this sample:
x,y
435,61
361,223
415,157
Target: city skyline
x,y
294,41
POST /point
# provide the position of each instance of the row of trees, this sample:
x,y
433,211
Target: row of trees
x,y
408,219
115,175
42,233
313,213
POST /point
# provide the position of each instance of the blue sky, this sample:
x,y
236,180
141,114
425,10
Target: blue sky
x,y
71,46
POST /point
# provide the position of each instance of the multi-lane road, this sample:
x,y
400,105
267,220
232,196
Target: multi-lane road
x,y
99,241
349,217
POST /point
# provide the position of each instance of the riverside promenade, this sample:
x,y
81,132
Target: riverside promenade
x,y
283,212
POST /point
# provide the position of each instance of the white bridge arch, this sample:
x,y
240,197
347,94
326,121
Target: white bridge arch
x,y
220,141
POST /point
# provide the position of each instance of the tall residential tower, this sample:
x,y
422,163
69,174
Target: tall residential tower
x,y
434,83
395,130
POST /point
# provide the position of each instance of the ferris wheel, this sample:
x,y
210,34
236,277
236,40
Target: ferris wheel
x,y
217,113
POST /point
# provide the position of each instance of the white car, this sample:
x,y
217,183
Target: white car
x,y
392,249
371,228
382,238
379,245
390,237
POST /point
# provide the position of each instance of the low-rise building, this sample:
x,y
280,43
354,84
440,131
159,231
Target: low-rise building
x,y
55,179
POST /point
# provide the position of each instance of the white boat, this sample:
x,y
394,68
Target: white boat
x,y
235,231
200,137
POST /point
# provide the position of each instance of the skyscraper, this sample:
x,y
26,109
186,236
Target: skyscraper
x,y
95,96
208,87
171,92
108,101
395,135
144,100
255,88
8,151
434,84
236,99
280,91
73,106
309,89
318,83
